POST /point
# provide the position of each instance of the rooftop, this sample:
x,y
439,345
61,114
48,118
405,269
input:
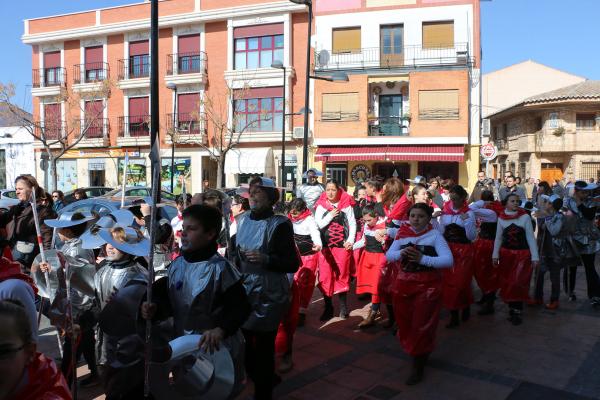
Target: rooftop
x,y
583,90
9,119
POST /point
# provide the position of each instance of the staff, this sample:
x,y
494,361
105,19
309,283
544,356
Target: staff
x,y
126,162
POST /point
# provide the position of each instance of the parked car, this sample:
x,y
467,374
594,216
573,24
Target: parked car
x,y
8,198
92,191
139,191
103,206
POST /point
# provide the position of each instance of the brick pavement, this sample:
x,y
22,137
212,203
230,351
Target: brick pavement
x,y
552,355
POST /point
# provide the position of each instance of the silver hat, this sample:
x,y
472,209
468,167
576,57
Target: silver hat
x,y
90,238
316,172
419,180
135,244
66,220
210,377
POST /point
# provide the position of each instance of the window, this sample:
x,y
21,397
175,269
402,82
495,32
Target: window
x,y
586,121
259,115
258,52
340,107
523,171
438,104
94,111
504,131
538,124
553,120
590,170
495,133
139,59
346,40
438,34
339,173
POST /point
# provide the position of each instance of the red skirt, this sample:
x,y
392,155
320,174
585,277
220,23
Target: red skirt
x,y
334,270
368,273
305,278
287,327
514,274
387,279
417,301
486,274
457,280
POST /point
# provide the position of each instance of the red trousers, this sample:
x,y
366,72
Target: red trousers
x,y
305,279
287,327
457,280
334,270
486,274
368,274
387,280
514,274
417,301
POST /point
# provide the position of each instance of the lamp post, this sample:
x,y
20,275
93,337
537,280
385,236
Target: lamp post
x,y
173,87
279,65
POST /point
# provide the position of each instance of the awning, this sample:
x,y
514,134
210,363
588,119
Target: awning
x,y
381,79
257,160
391,153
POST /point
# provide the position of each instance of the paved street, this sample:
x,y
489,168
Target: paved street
x,y
552,355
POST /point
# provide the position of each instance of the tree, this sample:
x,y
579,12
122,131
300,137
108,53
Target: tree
x,y
57,134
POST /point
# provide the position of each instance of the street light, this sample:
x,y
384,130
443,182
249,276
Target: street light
x,y
173,87
279,65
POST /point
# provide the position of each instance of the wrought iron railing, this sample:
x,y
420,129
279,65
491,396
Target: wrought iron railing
x,y
186,63
90,72
49,130
134,125
186,124
134,67
389,126
97,128
47,77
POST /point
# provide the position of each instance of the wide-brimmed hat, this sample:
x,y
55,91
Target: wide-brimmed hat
x,y
583,185
528,205
210,376
68,219
90,238
550,198
316,172
418,180
135,243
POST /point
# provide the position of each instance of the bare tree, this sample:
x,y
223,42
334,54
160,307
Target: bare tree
x,y
59,134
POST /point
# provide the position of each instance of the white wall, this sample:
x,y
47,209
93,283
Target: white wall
x,y
18,151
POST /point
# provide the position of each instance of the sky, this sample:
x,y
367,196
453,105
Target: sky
x,y
561,34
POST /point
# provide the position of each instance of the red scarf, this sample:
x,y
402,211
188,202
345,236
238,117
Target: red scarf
x,y
300,217
399,210
495,206
448,210
516,215
45,381
406,231
12,270
345,201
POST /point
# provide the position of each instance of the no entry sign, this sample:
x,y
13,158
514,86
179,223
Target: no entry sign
x,y
488,151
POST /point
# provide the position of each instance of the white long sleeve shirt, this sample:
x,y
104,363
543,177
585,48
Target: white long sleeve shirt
x,y
481,213
469,224
324,218
308,226
524,221
432,238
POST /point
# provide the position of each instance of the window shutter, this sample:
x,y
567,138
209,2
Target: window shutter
x,y
138,106
340,107
346,40
438,34
438,104
138,48
52,59
188,44
188,103
93,56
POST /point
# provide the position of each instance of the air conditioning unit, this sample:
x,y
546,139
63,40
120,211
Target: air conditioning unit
x,y
298,132
485,131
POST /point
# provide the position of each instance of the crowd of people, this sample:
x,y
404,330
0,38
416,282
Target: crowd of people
x,y
236,275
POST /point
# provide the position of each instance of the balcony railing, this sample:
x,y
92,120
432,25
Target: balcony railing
x,y
186,124
49,130
90,72
388,126
134,67
186,63
95,129
47,77
502,144
134,126
393,57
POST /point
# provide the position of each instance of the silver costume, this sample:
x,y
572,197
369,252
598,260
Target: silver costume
x,y
82,268
586,235
162,251
268,291
310,194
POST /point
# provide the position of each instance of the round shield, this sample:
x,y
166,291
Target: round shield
x,y
196,374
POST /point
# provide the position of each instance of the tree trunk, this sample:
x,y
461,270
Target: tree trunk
x,y
220,171
54,183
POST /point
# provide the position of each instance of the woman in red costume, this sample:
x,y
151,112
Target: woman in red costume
x,y
334,215
26,374
420,252
516,255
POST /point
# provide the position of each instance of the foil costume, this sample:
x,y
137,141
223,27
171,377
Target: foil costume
x,y
310,193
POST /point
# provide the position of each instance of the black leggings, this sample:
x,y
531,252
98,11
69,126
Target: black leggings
x,y
591,276
260,362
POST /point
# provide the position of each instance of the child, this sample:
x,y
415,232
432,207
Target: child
x,y
371,262
203,291
176,223
420,251
515,254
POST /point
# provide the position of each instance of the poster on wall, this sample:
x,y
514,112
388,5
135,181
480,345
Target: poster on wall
x,y
67,175
136,172
182,171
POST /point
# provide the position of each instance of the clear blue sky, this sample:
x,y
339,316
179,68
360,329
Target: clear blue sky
x,y
562,34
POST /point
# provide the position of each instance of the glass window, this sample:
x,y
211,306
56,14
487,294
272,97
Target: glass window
x,y
259,115
240,44
279,41
258,52
266,42
240,60
266,59
252,43
252,60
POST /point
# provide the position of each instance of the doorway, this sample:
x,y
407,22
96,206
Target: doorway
x,y
390,114
551,171
445,170
391,39
392,170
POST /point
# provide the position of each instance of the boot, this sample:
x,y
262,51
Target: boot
x,y
466,314
418,368
454,320
328,311
285,364
391,318
301,319
343,307
370,320
488,305
515,317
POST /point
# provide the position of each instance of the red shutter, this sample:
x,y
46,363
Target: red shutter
x,y
188,106
93,56
188,44
138,48
93,109
259,93
258,30
52,60
138,106
52,113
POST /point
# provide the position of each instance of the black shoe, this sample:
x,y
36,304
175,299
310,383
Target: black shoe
x,y
418,368
301,319
466,314
454,321
90,381
327,314
487,309
572,297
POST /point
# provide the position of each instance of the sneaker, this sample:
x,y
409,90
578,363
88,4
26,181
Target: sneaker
x,y
553,305
90,381
595,301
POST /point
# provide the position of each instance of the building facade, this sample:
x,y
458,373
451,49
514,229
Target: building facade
x,y
411,104
217,86
553,135
16,147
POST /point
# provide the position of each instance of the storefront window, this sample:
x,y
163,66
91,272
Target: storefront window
x,y
66,171
136,172
182,171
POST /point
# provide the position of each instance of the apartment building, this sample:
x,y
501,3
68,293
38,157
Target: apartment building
x,y
411,105
552,135
215,65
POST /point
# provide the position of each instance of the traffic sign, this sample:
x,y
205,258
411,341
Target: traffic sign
x,y
488,151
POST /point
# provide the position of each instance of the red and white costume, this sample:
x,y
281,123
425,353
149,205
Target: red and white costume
x,y
417,293
371,262
486,274
334,261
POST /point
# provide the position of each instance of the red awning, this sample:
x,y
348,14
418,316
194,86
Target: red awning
x,y
391,153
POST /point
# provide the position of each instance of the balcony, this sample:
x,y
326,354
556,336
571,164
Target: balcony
x,y
186,68
407,57
134,72
90,73
50,131
96,132
389,126
186,128
48,81
134,130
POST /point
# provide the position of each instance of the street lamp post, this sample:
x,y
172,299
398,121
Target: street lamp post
x,y
279,65
173,87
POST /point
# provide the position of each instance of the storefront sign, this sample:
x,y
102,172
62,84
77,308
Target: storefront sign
x,y
488,151
136,172
182,171
360,173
